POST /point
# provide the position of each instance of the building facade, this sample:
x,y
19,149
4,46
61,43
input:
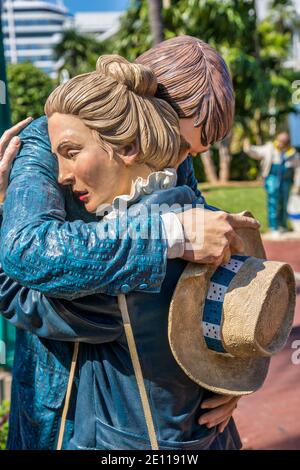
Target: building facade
x,y
101,24
32,28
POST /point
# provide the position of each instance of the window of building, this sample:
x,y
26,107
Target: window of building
x,y
35,58
30,22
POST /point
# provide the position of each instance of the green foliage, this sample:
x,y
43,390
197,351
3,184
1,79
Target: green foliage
x,y
199,169
78,53
242,168
28,88
239,198
134,36
4,413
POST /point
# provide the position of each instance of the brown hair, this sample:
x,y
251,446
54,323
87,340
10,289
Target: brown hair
x,y
195,80
117,102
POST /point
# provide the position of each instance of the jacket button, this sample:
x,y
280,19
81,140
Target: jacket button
x,y
125,288
143,286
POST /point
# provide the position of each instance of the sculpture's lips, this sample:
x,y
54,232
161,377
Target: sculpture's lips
x,y
82,195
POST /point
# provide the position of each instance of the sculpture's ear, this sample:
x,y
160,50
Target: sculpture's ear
x,y
129,153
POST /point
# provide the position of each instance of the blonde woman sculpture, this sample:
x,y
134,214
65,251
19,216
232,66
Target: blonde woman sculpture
x,y
115,141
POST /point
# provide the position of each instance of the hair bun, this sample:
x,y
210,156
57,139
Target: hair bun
x,y
138,78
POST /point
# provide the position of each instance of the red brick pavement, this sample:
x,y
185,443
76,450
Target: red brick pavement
x,y
270,418
288,251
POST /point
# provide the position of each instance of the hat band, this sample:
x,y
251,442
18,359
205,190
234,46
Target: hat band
x,y
213,307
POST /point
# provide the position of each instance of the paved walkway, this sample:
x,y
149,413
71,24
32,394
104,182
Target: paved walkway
x,y
284,250
270,418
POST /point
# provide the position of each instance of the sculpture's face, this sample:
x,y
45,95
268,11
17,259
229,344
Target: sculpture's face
x,y
95,176
283,141
192,135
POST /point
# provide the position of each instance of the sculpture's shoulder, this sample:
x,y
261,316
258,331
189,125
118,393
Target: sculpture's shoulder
x,y
37,129
36,148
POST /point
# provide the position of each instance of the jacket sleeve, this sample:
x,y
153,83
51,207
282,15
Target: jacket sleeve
x,y
186,176
86,320
70,259
258,152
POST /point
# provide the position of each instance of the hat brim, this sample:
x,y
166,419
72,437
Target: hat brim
x,y
252,240
216,372
223,374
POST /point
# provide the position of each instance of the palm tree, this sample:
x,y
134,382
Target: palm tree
x,y
156,22
78,52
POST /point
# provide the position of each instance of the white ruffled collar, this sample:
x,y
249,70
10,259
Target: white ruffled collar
x,y
156,181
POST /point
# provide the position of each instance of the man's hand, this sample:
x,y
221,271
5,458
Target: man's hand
x,y
210,237
9,147
222,408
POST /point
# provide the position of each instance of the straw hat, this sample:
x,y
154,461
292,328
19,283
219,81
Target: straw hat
x,y
226,323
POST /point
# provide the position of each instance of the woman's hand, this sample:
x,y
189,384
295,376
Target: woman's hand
x,y
221,409
9,147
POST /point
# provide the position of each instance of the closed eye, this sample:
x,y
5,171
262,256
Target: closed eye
x,y
73,153
68,150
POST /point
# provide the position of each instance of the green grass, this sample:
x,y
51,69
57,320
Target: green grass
x,y
239,198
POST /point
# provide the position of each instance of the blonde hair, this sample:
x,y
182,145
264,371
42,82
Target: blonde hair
x,y
117,101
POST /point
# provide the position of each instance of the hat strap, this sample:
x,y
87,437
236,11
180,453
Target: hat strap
x,y
138,371
213,307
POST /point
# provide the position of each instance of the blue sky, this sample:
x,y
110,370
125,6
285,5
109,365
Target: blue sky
x,y
96,5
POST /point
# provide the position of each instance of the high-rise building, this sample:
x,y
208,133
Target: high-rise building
x,y
31,28
101,24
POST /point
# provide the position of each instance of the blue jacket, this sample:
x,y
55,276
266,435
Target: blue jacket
x,y
36,222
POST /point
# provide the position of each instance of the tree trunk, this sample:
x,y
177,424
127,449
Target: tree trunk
x,y
209,167
156,22
258,126
225,160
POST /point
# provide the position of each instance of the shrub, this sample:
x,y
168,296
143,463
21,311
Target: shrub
x,y
28,89
4,414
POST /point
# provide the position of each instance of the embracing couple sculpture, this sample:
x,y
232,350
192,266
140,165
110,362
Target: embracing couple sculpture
x,y
126,342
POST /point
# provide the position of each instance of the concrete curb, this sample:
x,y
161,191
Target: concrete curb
x,y
283,237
